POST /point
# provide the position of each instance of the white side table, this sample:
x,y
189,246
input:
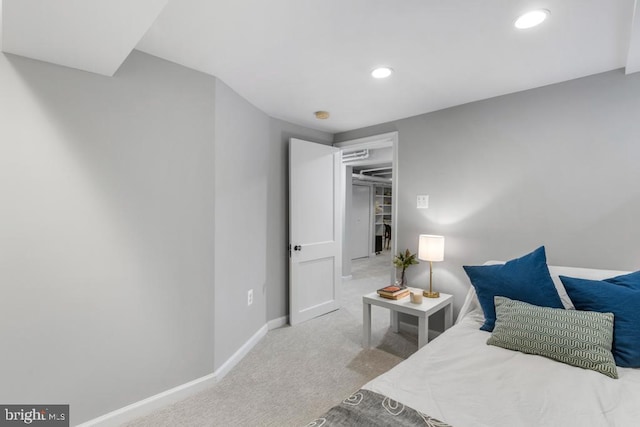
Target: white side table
x,y
422,311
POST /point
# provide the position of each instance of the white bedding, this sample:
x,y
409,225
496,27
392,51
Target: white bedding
x,y
460,380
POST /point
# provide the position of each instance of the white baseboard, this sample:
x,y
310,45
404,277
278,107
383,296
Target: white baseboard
x,y
414,330
411,327
240,353
277,323
147,406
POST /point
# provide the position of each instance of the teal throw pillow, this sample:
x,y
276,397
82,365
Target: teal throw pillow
x,y
619,295
524,279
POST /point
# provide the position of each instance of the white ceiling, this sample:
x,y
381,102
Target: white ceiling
x,y
293,57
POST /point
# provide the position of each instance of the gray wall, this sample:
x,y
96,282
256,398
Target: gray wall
x,y
241,144
106,231
251,216
554,166
119,197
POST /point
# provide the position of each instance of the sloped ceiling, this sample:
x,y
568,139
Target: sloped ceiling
x,y
291,58
95,35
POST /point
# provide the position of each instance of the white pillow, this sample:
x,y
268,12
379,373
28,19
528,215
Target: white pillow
x,y
471,301
581,273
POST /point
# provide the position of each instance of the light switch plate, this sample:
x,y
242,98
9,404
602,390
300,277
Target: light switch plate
x,y
423,202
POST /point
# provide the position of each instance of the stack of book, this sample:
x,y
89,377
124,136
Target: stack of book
x,y
393,292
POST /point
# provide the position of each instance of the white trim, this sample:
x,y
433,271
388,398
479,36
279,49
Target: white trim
x,y
277,323
150,404
374,141
413,329
395,190
389,139
242,352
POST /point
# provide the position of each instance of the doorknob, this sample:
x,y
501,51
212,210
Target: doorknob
x,y
297,248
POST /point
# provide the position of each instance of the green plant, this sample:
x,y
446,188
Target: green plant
x,y
403,261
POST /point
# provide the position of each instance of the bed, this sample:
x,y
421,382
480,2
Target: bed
x,y
459,380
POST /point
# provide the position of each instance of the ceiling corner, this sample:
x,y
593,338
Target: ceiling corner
x,y
95,36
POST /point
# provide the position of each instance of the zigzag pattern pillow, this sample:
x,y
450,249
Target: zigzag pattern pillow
x,y
577,338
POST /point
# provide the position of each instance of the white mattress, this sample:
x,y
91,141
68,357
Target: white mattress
x,y
459,379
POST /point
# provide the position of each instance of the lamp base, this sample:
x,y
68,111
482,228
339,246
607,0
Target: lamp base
x,y
431,294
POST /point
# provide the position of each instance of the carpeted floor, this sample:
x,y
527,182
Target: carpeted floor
x,y
296,373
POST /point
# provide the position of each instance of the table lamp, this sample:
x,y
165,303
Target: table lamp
x,y
431,248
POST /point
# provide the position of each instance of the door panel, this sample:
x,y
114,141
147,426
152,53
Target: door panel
x,y
318,272
314,230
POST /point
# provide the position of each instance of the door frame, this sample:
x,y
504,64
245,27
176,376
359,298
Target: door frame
x,y
384,140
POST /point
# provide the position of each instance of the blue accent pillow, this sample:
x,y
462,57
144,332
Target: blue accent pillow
x,y
619,295
525,279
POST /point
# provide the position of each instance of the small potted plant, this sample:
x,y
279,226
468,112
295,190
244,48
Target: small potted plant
x,y
403,261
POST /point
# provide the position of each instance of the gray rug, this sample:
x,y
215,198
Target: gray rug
x,y
297,373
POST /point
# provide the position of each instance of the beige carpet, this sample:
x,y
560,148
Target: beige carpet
x,y
296,373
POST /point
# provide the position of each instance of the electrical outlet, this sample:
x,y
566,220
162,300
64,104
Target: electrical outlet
x,y
423,202
250,297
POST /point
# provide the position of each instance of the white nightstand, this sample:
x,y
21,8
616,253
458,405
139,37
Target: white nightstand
x,y
421,311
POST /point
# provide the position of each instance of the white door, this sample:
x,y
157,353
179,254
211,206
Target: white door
x,y
360,221
315,230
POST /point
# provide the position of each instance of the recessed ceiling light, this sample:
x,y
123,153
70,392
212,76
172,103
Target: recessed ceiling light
x,y
531,19
381,72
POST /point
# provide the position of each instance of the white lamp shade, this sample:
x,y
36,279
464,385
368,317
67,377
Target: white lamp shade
x,y
431,248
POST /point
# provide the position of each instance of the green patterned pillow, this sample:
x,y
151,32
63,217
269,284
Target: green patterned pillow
x,y
578,338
